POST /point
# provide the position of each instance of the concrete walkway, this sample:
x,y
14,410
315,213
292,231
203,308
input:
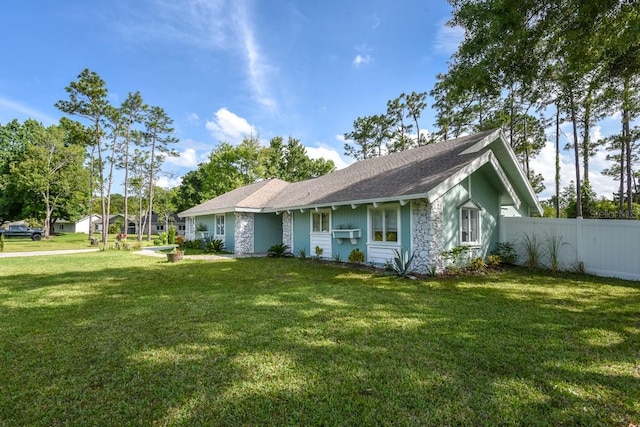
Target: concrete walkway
x,y
153,251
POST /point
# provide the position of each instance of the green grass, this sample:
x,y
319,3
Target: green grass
x,y
61,242
113,338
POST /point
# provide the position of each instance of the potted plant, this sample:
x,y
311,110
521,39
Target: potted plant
x,y
175,255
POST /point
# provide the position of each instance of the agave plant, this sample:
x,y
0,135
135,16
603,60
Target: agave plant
x,y
401,263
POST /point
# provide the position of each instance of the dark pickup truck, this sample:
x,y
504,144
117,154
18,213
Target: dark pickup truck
x,y
22,231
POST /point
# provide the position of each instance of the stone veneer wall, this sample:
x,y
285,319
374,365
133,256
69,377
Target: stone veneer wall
x,y
243,234
287,229
427,235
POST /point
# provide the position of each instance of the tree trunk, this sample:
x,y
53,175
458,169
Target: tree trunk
x,y
576,151
626,131
557,161
151,170
91,172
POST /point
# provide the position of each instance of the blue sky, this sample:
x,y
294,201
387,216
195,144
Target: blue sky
x,y
225,69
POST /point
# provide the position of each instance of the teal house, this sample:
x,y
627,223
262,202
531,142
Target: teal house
x,y
425,200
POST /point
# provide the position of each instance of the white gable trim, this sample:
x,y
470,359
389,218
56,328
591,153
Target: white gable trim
x,y
462,174
505,181
499,135
457,177
483,142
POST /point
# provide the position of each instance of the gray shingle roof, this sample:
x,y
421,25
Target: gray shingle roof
x,y
407,173
411,173
250,197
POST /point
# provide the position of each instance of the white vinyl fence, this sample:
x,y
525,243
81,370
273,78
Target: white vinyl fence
x,y
609,248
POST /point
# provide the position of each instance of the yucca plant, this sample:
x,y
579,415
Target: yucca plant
x,y
401,263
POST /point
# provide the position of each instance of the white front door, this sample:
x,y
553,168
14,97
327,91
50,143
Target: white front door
x,y
321,233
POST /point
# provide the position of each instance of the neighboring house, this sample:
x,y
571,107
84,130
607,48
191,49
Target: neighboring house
x,y
425,200
158,224
80,226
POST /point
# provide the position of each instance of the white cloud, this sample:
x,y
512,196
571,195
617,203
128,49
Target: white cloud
x,y
10,109
209,25
544,163
375,21
229,127
340,137
192,118
325,152
168,182
360,59
448,39
187,159
257,67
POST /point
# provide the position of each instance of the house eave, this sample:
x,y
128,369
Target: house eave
x,y
401,199
187,214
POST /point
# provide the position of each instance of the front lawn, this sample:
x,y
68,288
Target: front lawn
x,y
63,241
113,338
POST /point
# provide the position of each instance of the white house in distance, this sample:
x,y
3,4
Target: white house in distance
x,y
80,226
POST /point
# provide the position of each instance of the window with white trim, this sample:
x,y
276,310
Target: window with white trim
x,y
384,224
320,222
470,224
219,225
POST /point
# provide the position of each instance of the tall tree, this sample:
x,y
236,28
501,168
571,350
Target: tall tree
x,y
158,137
88,100
416,103
132,111
369,135
51,168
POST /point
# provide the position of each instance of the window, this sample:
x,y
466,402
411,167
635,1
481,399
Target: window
x,y
384,225
220,225
320,222
469,225
159,227
181,227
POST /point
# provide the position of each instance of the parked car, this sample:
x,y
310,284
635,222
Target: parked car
x,y
17,231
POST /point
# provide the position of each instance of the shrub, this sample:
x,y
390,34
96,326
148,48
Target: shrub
x,y
172,235
164,237
215,245
554,242
457,258
401,263
494,260
302,253
337,257
532,249
506,252
356,256
477,265
114,228
279,250
157,242
180,240
2,242
319,252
